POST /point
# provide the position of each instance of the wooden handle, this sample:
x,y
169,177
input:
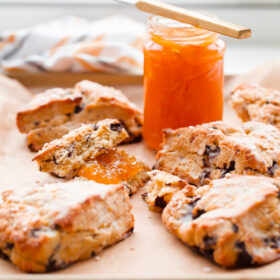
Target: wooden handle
x,y
194,18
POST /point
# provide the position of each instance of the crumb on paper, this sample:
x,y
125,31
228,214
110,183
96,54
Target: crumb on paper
x,y
207,269
97,258
131,249
150,217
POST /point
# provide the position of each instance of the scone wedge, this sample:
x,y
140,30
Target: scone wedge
x,y
48,227
255,103
235,220
64,156
199,154
89,152
52,114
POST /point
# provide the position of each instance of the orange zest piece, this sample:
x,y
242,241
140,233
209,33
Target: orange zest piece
x,y
111,168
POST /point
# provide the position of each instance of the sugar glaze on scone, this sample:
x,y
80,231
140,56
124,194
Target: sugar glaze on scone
x,y
234,220
205,152
255,103
64,156
44,228
52,114
161,187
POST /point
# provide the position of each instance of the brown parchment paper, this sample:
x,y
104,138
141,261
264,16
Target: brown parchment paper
x,y
151,252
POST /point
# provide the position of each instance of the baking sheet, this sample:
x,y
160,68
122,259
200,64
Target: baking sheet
x,y
151,252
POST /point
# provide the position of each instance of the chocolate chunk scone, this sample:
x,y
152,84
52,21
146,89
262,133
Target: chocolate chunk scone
x,y
52,114
234,220
161,187
205,152
89,152
255,103
64,156
44,228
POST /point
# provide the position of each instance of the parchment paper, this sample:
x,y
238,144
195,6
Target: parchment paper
x,y
151,251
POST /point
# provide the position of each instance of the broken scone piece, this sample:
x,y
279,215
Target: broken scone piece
x,y
234,220
44,228
64,157
205,152
52,114
255,103
161,187
89,152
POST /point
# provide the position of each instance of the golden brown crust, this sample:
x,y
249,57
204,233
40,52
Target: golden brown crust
x,y
255,103
210,151
48,227
234,220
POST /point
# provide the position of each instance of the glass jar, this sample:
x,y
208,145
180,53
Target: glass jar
x,y
183,77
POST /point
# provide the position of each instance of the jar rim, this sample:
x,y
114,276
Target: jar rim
x,y
179,32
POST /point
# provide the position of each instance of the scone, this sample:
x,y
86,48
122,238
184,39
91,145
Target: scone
x,y
52,114
44,228
205,152
255,103
65,156
90,152
161,187
235,220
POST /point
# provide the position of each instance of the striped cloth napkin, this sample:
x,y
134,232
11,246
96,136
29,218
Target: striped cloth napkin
x,y
74,44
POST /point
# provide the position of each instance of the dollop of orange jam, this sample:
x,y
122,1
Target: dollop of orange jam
x,y
111,168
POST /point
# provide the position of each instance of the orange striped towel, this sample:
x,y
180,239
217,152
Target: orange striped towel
x,y
112,45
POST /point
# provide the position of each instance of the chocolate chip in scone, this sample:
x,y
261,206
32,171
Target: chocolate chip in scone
x,y
205,163
31,147
211,152
53,266
160,202
57,227
208,244
194,201
198,213
95,126
273,242
36,123
9,245
33,232
93,254
129,232
116,127
235,228
204,175
71,149
228,169
243,257
68,115
272,169
144,195
78,109
4,256
54,160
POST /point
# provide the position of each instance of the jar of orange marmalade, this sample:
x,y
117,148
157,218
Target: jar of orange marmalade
x,y
183,77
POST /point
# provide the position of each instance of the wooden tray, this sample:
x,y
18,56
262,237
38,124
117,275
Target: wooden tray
x,y
150,253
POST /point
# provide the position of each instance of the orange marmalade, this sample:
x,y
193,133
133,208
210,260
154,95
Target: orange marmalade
x,y
183,77
111,168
